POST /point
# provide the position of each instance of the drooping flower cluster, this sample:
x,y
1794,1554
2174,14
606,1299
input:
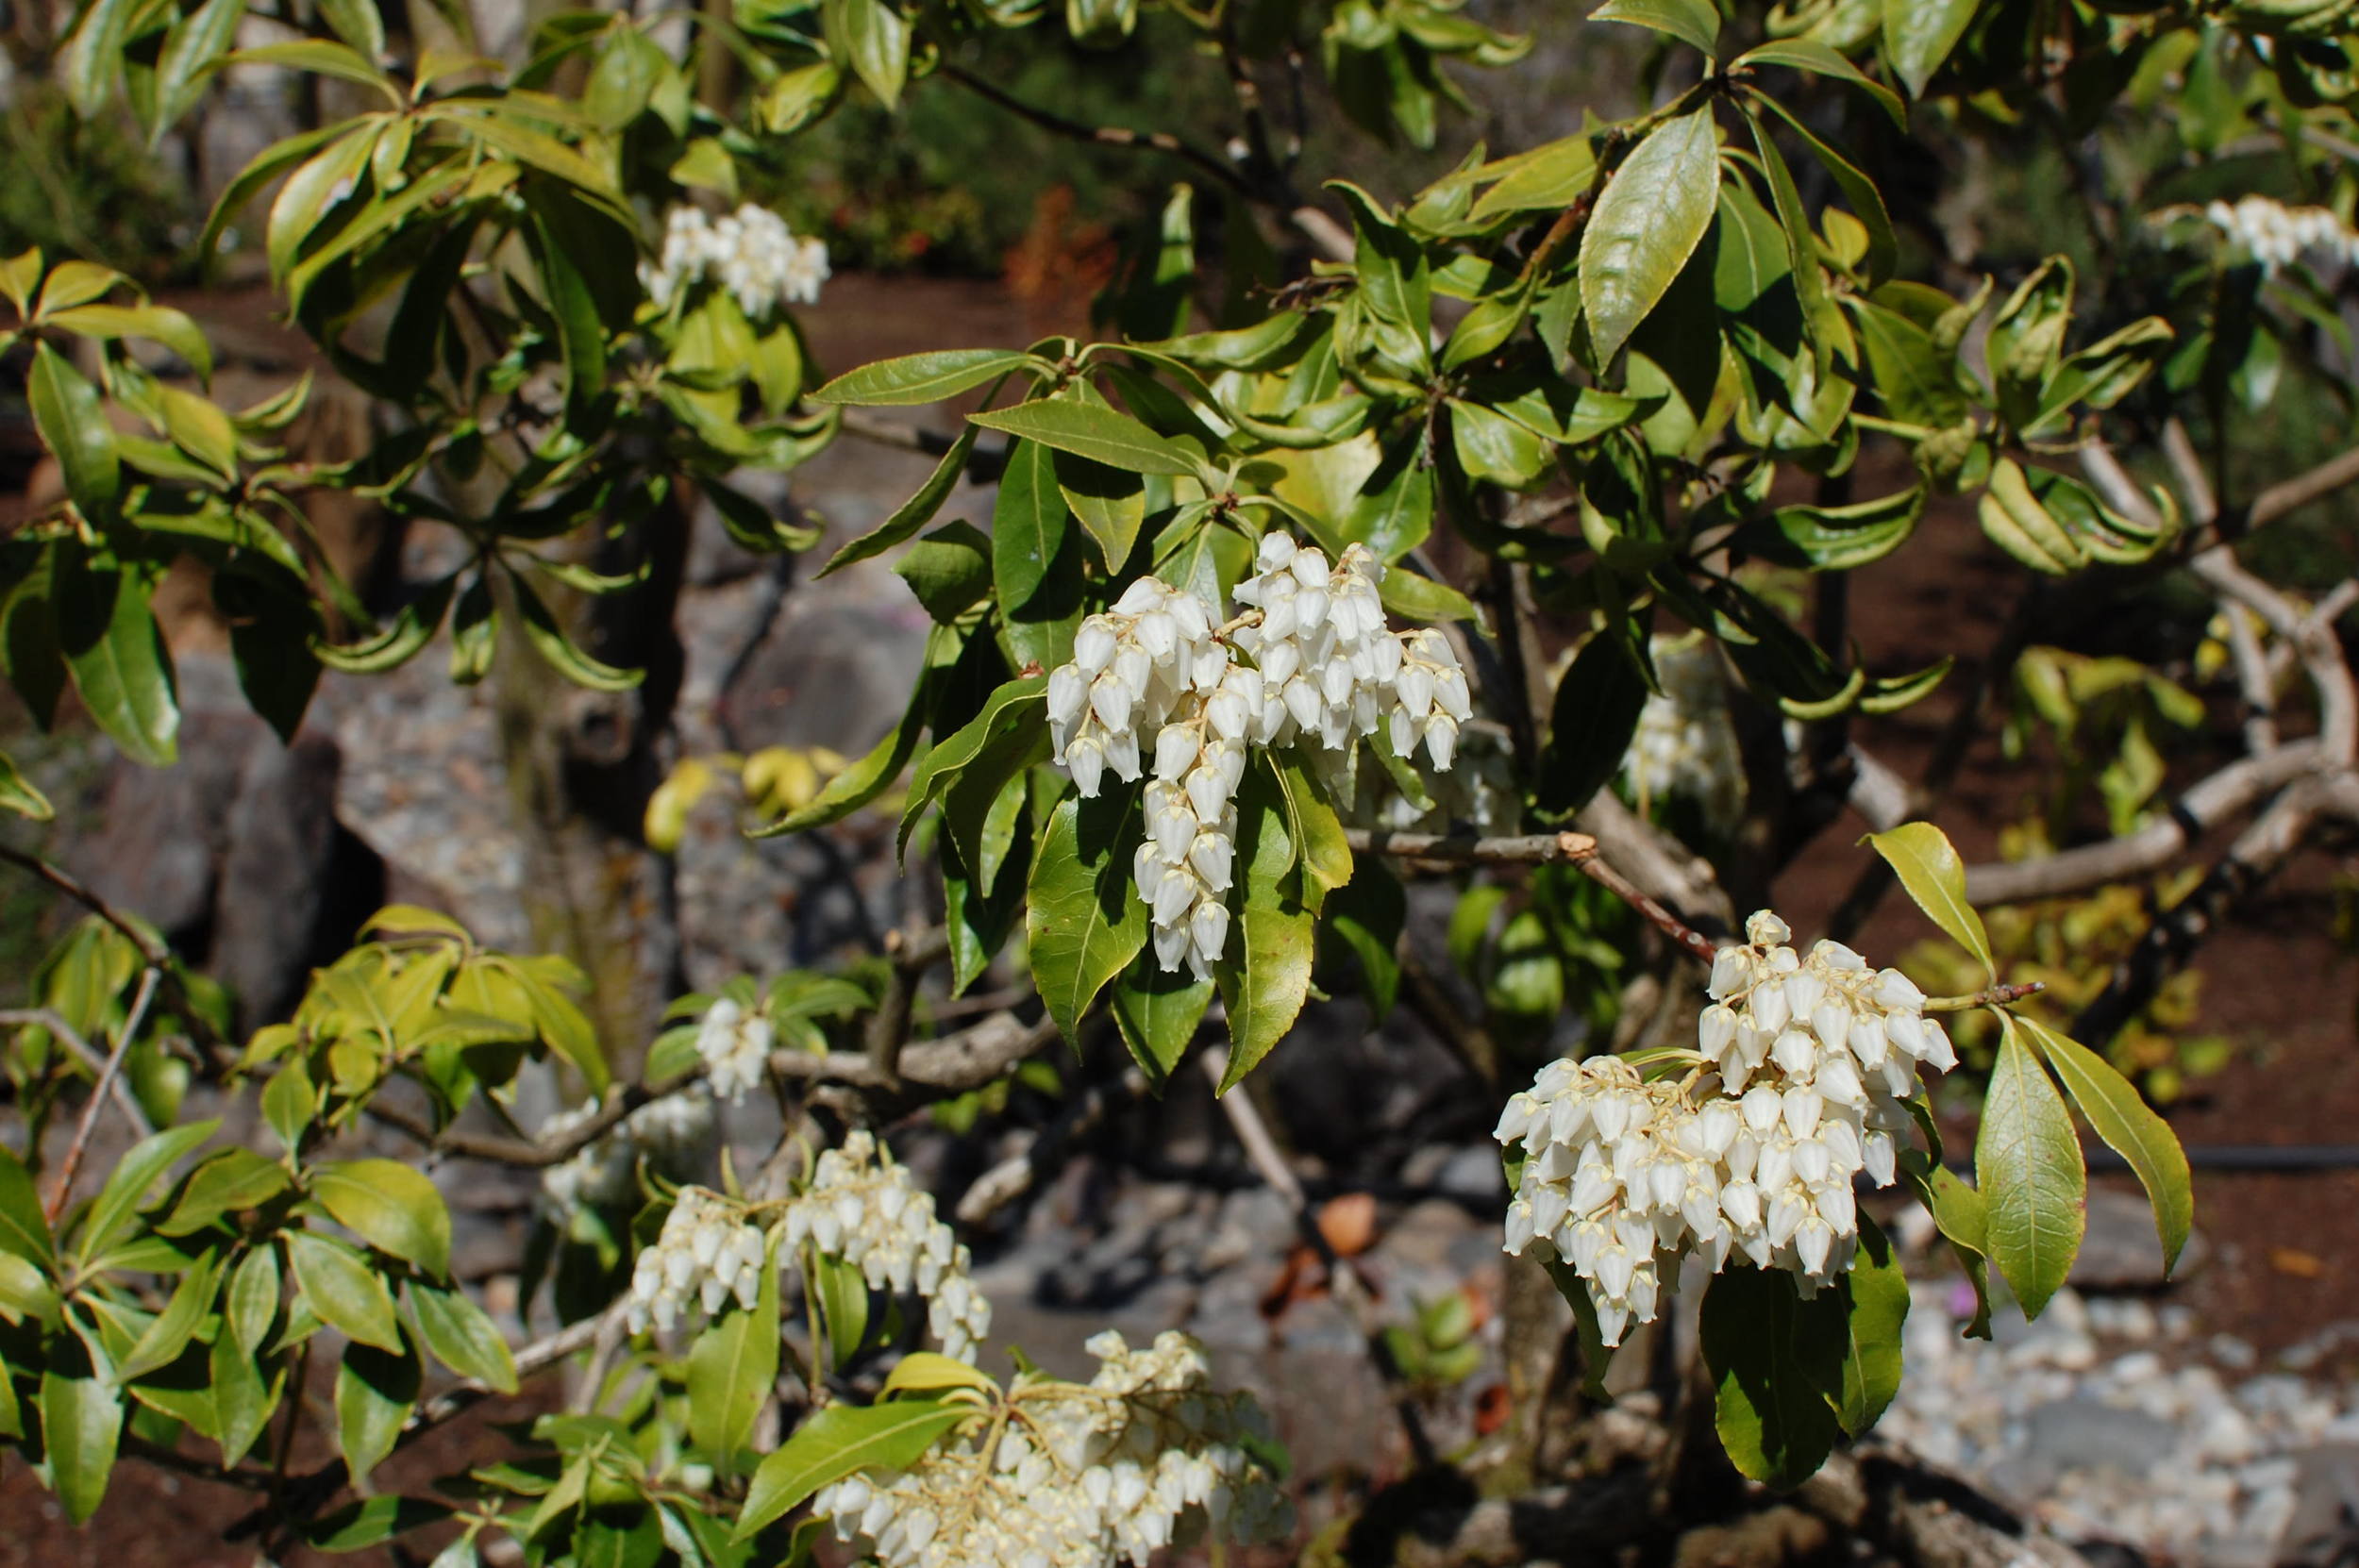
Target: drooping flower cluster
x,y
864,1208
1801,1072
751,252
1146,1455
674,1135
734,1046
1684,743
1312,659
2273,234
707,1253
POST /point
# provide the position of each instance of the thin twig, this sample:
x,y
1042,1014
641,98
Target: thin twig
x,y
1579,849
156,955
1997,996
80,1146
47,1018
1104,136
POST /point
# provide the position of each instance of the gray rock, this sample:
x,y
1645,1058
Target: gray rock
x,y
2120,1252
2083,1434
2325,1523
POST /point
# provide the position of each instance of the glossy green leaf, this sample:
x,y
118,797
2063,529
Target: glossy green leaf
x,y
72,425
915,378
915,512
24,1230
2026,1162
950,570
1593,716
1028,523
1809,54
1082,916
1158,1012
391,1205
81,1424
1934,877
375,1391
1419,598
1653,214
1878,1294
122,667
2130,1127
840,1440
111,1213
170,1333
874,38
1777,1364
840,1290
1110,504
1920,34
1017,706
346,1294
733,1370
1839,538
1091,430
1267,982
1692,22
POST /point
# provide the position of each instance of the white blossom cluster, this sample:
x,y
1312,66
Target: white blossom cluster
x,y
751,252
865,1209
2273,234
1684,743
1161,670
674,1135
1803,1066
734,1046
1145,1456
708,1252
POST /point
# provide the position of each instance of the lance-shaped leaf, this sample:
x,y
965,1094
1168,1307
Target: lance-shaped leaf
x,y
2130,1127
1089,430
840,1440
392,1206
1083,918
1268,976
1650,219
1929,868
1694,22
2026,1162
915,378
1920,34
1028,523
1777,1368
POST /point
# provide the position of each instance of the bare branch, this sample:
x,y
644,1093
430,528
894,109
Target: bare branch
x,y
47,1018
2233,789
979,1053
106,1078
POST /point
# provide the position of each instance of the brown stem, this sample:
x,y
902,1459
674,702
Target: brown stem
x,y
1997,996
1580,849
80,1146
1105,136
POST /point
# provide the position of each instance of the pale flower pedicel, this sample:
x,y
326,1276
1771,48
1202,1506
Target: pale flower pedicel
x,y
1163,684
1806,1065
1148,1454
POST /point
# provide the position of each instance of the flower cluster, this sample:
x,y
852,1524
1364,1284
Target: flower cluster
x,y
708,1252
1311,659
674,1135
1145,1456
1800,1075
734,1046
866,1209
2273,234
1684,743
751,252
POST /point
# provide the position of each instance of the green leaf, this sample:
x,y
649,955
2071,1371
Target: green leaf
x,y
1867,202
875,38
392,1207
916,512
839,1441
1028,522
2130,1127
915,378
1808,54
925,1371
1407,594
346,1294
1913,378
110,1214
1082,917
867,779
949,571
1810,283
1929,867
1016,707
1265,985
841,1292
327,178
372,1521
1877,1294
18,794
1650,221
733,1370
243,1397
1593,716
375,1391
1777,1364
1321,850
1089,430
122,667
461,1335
251,1305
1367,914
2028,1164
1839,538
1110,505
81,1423
322,57
1692,22
72,425
1920,34
24,1230
1158,1012
173,1327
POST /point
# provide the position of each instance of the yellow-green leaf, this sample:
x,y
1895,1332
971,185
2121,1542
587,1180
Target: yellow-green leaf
x,y
1929,867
